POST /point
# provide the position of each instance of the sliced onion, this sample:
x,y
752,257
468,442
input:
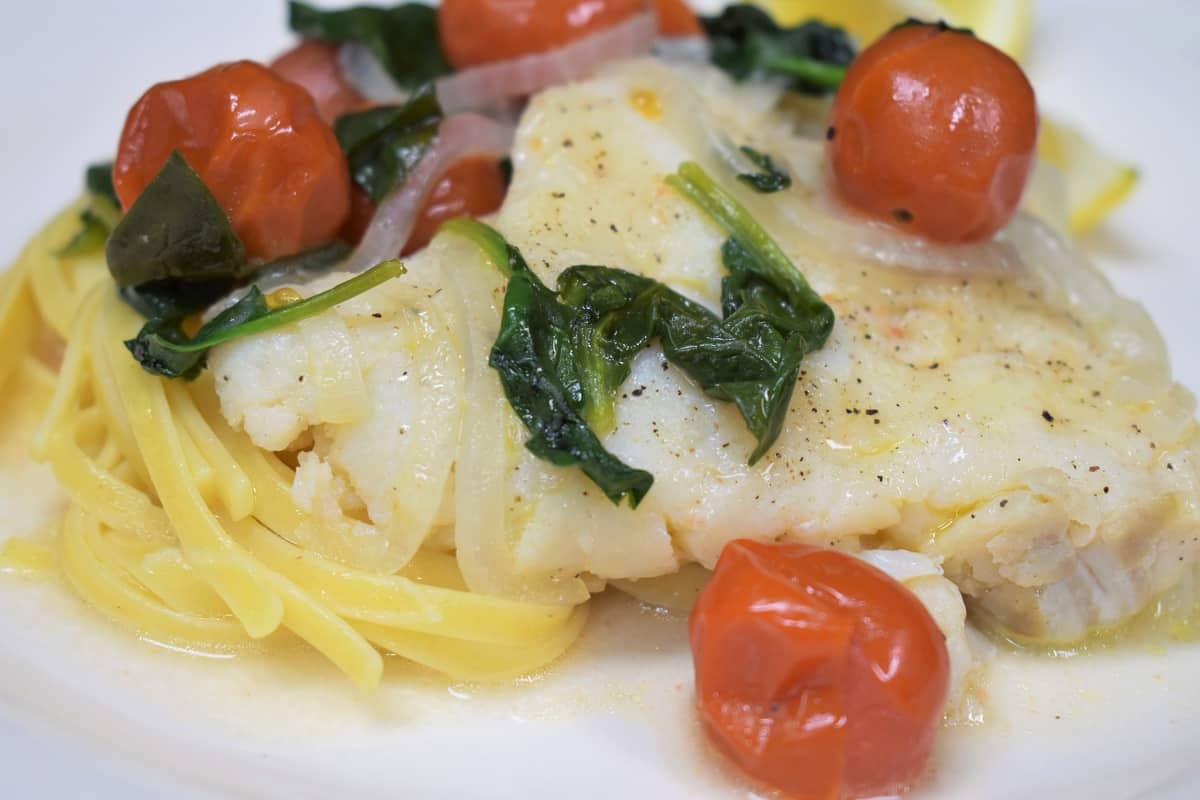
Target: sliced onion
x,y
683,49
460,135
363,71
494,85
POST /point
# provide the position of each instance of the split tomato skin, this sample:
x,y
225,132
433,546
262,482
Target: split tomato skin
x,y
934,131
816,673
258,143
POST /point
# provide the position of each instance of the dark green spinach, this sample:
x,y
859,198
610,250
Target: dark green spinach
x,y
770,178
766,302
175,230
99,217
172,300
535,359
404,37
384,144
98,179
747,43
162,348
563,354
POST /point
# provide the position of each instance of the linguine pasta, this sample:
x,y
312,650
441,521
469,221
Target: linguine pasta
x,y
181,528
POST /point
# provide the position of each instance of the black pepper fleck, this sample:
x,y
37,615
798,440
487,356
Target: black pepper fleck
x,y
902,215
1046,415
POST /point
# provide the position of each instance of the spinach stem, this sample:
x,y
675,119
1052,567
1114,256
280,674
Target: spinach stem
x,y
810,70
486,238
383,271
695,184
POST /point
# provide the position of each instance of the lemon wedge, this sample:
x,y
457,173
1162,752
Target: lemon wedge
x,y
1094,182
1004,23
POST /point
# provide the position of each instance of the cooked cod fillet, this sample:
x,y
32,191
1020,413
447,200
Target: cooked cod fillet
x,y
997,408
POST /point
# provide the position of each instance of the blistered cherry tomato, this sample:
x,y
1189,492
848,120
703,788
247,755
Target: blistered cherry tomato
x,y
470,188
362,209
676,18
934,130
815,672
474,32
314,65
257,142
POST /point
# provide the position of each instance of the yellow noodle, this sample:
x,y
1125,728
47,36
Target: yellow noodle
x,y
249,594
106,590
73,373
17,322
162,571
232,486
273,503
389,600
472,660
175,519
49,283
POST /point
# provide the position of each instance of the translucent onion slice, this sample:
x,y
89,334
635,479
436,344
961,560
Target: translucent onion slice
x,y
362,70
493,85
683,49
459,136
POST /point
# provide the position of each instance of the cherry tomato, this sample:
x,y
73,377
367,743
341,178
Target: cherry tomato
x,y
817,673
676,18
474,32
362,209
257,142
469,188
314,65
934,130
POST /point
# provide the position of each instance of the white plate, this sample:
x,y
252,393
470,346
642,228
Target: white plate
x,y
86,712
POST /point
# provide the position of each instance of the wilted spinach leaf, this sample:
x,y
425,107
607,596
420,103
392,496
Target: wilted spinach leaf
x,y
172,300
534,357
175,230
162,348
772,177
747,43
384,144
767,301
98,179
97,221
99,217
562,354
404,38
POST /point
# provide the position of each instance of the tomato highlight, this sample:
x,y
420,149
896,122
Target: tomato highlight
x,y
934,131
817,673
